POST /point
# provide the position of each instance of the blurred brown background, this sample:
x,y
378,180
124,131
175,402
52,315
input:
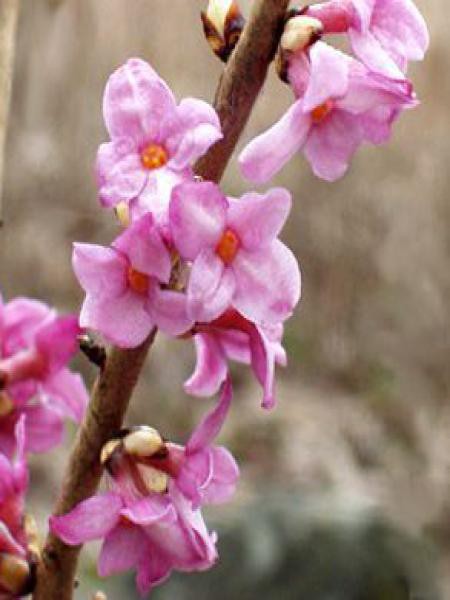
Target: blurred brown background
x,y
363,419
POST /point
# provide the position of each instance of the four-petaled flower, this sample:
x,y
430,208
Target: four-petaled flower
x,y
236,257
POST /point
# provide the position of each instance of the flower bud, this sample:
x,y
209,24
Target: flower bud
x,y
223,24
122,211
143,442
6,404
300,32
15,574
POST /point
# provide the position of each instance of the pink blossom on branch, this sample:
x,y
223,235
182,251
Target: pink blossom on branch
x,y
384,34
150,520
124,294
35,347
340,105
232,337
235,254
154,141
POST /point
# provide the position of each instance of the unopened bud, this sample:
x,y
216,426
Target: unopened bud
x,y
300,32
223,24
108,449
153,479
122,211
143,442
32,535
15,574
6,404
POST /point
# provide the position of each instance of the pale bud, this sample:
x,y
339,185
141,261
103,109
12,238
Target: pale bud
x,y
300,32
143,442
15,574
223,24
122,211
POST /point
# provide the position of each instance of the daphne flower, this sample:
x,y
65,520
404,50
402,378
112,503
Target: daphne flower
x,y
153,143
340,105
15,573
236,256
232,337
124,300
150,520
384,34
35,348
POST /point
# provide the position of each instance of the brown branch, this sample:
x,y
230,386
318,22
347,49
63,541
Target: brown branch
x,y
9,11
238,89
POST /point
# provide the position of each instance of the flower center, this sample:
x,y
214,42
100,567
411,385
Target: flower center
x,y
6,404
139,282
319,113
153,156
228,246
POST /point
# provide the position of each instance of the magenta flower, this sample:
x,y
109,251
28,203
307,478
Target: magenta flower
x,y
15,572
35,347
232,337
150,520
384,34
124,299
236,256
341,104
153,143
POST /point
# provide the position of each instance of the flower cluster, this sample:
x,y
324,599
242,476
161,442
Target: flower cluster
x,y
15,559
35,346
150,519
200,265
341,102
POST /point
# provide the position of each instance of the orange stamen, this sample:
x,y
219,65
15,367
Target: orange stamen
x,y
319,113
138,281
153,156
228,246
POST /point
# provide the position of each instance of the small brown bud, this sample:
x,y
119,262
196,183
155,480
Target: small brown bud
x,y
223,24
6,404
15,574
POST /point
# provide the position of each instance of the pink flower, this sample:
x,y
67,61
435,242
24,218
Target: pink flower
x,y
341,104
35,346
153,143
232,337
236,256
124,299
150,520
384,34
15,573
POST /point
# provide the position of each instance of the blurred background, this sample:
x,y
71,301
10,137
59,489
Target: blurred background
x,y
345,489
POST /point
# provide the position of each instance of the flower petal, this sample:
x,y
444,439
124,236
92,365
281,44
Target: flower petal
x,y
199,129
258,218
136,102
267,283
150,510
197,217
211,287
122,321
91,519
210,369
141,243
265,155
121,550
168,309
100,271
120,175
329,75
67,392
208,429
44,428
332,143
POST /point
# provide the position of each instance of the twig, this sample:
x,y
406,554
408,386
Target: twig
x,y
238,89
9,11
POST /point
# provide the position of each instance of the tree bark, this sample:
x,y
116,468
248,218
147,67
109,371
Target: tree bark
x,y
238,89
